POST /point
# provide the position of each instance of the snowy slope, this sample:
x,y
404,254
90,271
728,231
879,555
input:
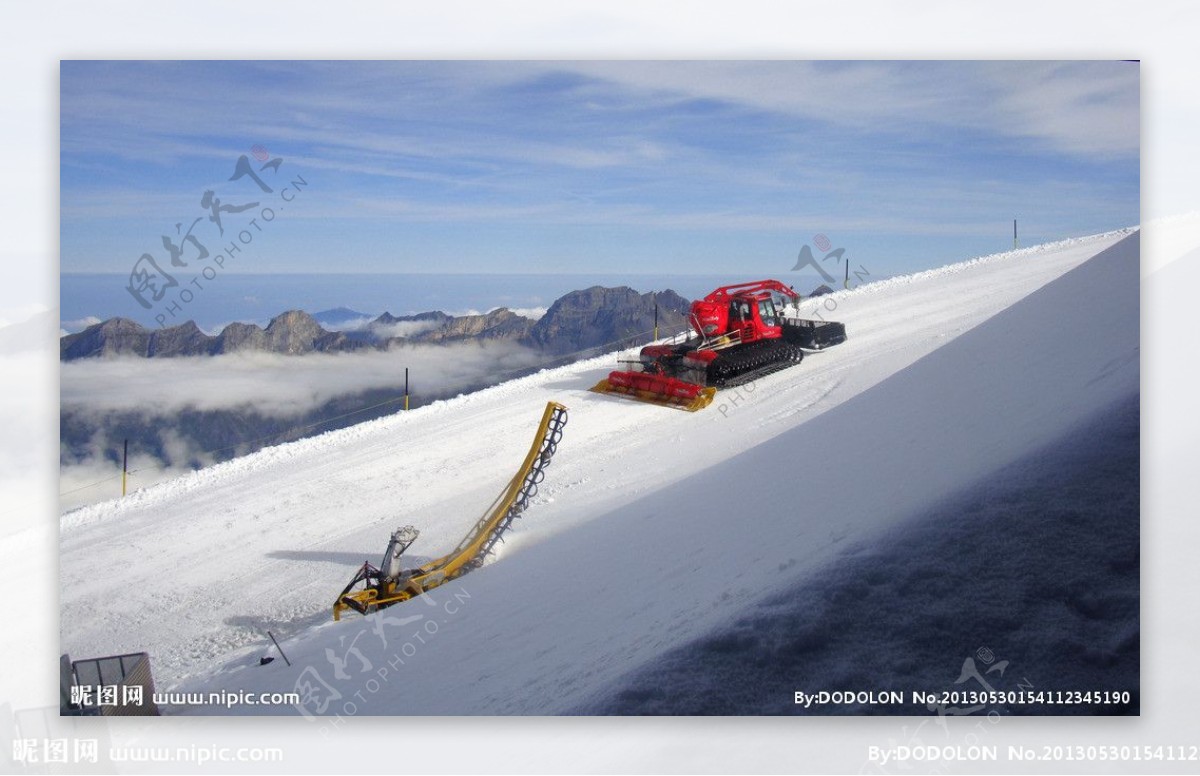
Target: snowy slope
x,y
653,525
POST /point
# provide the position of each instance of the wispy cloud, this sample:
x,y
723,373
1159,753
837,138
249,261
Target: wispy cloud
x,y
1078,107
277,385
650,150
286,388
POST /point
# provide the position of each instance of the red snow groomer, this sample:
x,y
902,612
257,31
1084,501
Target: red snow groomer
x,y
738,334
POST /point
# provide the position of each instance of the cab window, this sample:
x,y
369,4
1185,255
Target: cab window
x,y
766,311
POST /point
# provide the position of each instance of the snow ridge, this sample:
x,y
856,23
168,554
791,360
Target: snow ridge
x,y
878,286
267,456
636,492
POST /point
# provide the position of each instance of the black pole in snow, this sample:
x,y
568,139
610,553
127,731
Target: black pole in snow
x,y
1014,234
276,643
125,467
406,388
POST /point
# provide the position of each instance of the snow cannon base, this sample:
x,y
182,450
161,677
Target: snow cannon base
x,y
657,389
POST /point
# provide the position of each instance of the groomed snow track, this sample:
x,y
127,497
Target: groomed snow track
x,y
948,375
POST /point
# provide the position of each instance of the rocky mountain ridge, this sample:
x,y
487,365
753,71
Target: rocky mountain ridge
x,y
576,322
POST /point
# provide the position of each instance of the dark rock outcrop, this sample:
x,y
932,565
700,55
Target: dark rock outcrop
x,y
499,324
183,340
240,336
292,333
438,327
114,337
598,316
296,332
436,316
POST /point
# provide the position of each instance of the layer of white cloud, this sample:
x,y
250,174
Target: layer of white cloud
x,y
532,313
279,385
402,328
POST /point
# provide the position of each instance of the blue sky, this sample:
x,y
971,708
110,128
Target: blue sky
x,y
577,167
